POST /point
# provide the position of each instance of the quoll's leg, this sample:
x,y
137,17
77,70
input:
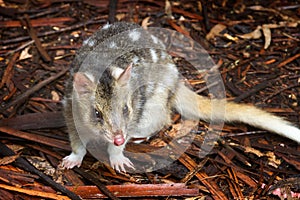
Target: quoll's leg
x,y
74,159
117,159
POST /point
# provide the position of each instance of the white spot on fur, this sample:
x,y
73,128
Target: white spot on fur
x,y
64,102
90,42
85,41
163,55
153,55
160,89
172,66
154,39
116,72
134,35
135,59
106,26
112,45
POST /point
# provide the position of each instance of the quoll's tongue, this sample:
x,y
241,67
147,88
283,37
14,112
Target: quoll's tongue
x,y
119,140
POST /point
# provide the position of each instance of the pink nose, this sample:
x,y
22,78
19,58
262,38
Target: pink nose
x,y
119,139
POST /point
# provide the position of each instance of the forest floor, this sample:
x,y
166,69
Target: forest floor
x,y
255,46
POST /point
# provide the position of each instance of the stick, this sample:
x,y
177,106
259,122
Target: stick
x,y
25,165
34,89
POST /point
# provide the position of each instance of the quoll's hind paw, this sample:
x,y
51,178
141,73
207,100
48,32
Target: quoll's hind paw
x,y
71,161
119,162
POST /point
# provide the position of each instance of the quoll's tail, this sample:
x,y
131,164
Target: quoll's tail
x,y
193,106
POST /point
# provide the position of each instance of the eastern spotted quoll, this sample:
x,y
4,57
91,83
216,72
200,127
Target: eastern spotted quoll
x,y
135,93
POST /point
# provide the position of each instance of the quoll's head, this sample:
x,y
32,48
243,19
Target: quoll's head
x,y
111,109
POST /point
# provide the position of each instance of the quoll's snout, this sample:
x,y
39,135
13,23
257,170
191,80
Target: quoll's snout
x,y
119,138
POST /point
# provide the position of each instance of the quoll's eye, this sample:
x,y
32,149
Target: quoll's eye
x,y
125,110
99,116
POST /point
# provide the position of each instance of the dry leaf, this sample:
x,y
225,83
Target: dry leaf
x,y
271,26
15,147
55,96
76,34
229,37
146,23
215,31
272,159
200,7
267,33
252,35
120,16
289,24
257,7
60,53
24,54
8,159
168,9
254,151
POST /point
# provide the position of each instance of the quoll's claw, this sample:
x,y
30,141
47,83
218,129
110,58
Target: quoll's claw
x,y
119,162
71,161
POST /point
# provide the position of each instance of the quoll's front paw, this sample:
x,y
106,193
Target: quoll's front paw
x,y
119,162
71,161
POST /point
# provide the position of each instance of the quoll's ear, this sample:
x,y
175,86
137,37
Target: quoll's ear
x,y
122,76
83,83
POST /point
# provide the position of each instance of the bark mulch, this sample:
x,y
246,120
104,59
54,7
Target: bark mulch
x,y
255,45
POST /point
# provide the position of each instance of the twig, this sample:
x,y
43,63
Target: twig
x,y
20,47
69,28
279,91
112,10
36,138
189,163
9,70
282,64
135,191
35,88
255,89
192,173
100,185
25,165
37,42
35,193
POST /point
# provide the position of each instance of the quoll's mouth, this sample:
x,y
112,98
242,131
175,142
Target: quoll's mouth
x,y
119,139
